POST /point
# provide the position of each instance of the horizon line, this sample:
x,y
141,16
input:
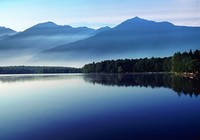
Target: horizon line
x,y
108,25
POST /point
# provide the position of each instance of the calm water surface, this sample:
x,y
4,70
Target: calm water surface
x,y
99,107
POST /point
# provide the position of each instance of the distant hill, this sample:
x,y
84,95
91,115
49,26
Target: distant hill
x,y
45,35
41,37
52,29
4,32
134,38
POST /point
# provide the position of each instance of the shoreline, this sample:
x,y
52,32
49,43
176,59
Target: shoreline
x,y
186,75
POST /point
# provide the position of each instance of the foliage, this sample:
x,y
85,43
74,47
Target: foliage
x,y
36,70
180,62
129,65
186,62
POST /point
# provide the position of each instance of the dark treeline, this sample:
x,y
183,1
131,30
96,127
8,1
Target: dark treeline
x,y
179,62
36,70
186,62
181,85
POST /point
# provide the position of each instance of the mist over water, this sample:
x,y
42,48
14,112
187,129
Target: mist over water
x,y
22,51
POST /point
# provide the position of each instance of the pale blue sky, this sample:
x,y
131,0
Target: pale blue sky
x,y
22,14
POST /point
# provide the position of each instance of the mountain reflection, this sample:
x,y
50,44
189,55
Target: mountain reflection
x,y
180,85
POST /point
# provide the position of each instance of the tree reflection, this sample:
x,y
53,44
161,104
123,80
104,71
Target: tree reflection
x,y
181,85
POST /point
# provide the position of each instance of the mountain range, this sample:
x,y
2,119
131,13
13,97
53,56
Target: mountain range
x,y
24,45
51,44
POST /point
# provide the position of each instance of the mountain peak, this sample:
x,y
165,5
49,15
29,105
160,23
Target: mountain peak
x,y
4,28
139,23
136,18
6,31
46,24
134,22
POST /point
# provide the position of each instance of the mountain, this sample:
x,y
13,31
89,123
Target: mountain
x,y
134,38
52,29
47,35
40,37
102,29
4,32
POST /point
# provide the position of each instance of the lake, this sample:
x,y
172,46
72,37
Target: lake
x,y
99,107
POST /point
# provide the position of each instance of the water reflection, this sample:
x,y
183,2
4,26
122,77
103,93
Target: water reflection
x,y
70,107
181,85
37,77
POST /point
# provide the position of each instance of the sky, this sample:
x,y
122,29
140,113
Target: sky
x,y
22,14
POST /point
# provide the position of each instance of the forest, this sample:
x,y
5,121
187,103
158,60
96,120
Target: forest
x,y
186,62
179,62
37,70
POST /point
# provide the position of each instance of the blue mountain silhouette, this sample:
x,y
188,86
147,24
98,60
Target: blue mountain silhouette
x,y
41,37
133,38
4,32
